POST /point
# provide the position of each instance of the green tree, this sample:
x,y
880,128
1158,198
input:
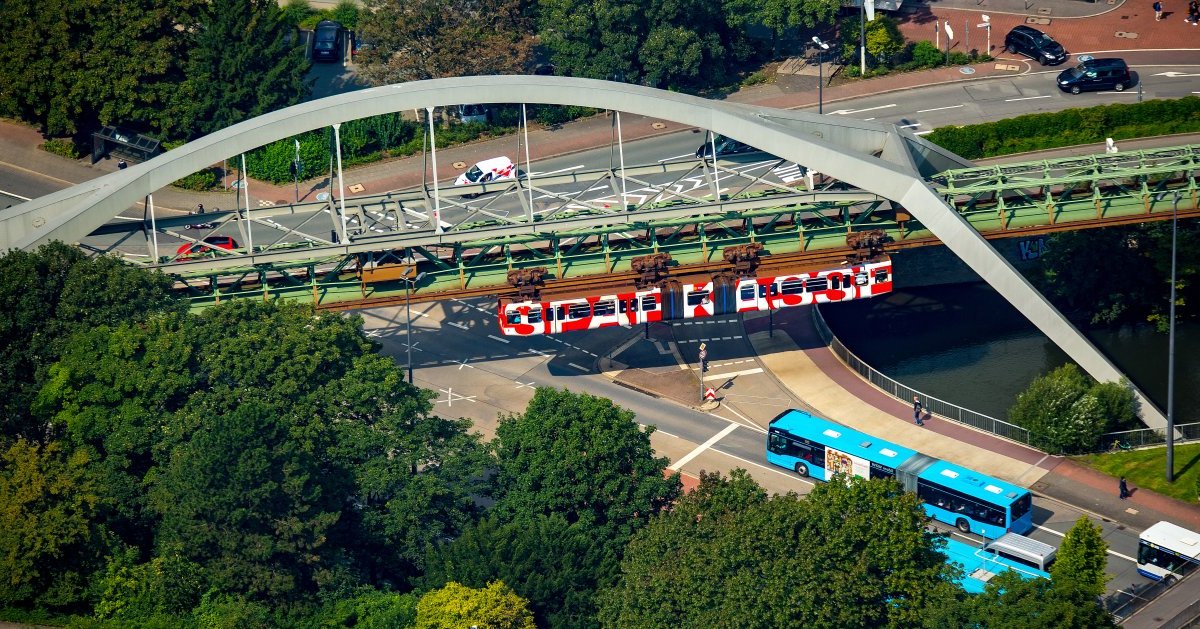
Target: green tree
x,y
556,566
1011,601
47,507
368,608
45,296
1061,412
781,15
727,556
244,61
413,40
1081,560
456,606
247,500
166,588
598,40
70,65
582,457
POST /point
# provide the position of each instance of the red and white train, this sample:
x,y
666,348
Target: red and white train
x,y
676,301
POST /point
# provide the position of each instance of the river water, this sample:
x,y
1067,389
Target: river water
x,y
965,344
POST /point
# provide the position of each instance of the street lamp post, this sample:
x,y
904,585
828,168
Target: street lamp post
x,y
1171,351
408,286
821,48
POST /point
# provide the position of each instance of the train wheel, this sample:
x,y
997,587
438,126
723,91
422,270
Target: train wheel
x,y
963,525
802,470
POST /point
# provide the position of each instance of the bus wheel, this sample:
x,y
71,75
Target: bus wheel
x,y
802,470
963,525
1169,580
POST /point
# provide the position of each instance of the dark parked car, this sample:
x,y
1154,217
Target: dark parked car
x,y
327,41
1036,45
1096,74
725,146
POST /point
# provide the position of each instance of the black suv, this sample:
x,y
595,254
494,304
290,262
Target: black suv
x,y
1096,74
327,41
1035,44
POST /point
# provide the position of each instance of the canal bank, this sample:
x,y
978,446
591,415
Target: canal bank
x,y
965,344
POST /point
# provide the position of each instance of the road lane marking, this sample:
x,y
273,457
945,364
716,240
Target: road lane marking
x,y
497,338
1110,551
908,126
42,175
702,447
924,132
921,111
1013,100
458,325
583,369
733,374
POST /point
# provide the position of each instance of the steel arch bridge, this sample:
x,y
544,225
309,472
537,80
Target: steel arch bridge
x,y
879,165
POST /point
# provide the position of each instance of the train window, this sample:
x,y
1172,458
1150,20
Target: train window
x,y
649,303
836,281
746,293
697,298
535,315
791,287
513,317
860,279
604,308
818,283
881,275
579,311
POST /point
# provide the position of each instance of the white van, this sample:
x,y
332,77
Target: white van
x,y
492,169
1023,550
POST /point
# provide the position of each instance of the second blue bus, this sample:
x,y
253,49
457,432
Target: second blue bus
x,y
969,500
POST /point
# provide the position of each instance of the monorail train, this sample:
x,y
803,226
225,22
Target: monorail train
x,y
677,301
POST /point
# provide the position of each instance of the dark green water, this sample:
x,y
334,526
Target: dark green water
x,y
965,344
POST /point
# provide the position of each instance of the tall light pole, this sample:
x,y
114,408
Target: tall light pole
x,y
408,286
821,48
1171,351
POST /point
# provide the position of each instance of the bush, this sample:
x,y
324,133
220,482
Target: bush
x,y
1033,132
63,147
1066,411
958,58
926,55
199,181
296,12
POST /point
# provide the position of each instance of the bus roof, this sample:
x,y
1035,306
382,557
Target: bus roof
x,y
979,567
1175,538
848,440
972,483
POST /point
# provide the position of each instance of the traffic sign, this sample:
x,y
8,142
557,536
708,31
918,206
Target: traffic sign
x,y
710,394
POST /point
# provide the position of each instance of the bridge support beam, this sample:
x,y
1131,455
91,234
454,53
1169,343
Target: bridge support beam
x,y
961,238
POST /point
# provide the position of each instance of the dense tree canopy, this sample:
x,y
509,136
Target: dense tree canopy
x,y
412,40
455,606
727,556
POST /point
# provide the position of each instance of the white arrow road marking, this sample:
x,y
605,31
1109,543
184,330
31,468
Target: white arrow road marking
x,y
1174,75
845,112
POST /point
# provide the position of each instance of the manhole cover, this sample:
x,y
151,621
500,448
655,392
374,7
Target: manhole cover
x,y
1082,58
459,165
322,196
356,188
966,70
659,125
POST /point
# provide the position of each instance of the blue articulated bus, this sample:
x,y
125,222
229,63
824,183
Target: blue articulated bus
x,y
979,566
964,498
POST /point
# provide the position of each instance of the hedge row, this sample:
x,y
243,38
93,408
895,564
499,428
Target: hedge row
x,y
1034,132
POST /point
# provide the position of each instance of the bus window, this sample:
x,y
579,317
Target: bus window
x,y
649,303
604,308
697,298
791,287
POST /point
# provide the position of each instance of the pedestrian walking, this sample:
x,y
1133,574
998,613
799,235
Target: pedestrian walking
x,y
1193,15
1157,11
121,164
917,411
1124,489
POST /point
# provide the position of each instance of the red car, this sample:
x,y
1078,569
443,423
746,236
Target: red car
x,y
209,245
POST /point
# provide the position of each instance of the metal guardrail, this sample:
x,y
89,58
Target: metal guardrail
x,y
936,406
1140,437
